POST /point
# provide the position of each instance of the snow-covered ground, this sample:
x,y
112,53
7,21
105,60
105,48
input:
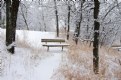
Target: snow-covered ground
x,y
32,61
29,63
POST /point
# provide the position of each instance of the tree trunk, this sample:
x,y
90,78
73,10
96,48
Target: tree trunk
x,y
8,24
56,14
96,38
43,18
78,24
25,20
68,21
0,14
87,36
11,17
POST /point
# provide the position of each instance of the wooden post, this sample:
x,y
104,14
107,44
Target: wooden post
x,y
48,48
62,48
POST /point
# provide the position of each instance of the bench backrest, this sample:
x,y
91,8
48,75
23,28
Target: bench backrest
x,y
116,46
52,40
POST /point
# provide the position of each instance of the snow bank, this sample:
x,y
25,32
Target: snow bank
x,y
26,64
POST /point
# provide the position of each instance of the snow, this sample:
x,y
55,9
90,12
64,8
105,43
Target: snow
x,y
21,69
25,64
33,62
45,67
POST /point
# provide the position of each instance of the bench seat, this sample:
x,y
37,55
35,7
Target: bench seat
x,y
117,47
55,45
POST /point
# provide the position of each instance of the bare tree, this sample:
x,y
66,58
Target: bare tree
x,y
0,12
69,8
96,37
43,17
56,14
11,17
23,15
78,22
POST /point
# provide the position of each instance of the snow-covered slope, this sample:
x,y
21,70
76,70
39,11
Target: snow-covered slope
x,y
31,62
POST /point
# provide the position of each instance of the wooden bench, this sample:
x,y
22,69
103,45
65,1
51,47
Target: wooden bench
x,y
54,41
55,45
118,47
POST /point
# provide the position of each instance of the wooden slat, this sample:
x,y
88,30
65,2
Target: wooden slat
x,y
52,40
55,45
116,46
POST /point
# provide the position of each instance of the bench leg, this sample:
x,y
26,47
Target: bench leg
x,y
48,48
62,48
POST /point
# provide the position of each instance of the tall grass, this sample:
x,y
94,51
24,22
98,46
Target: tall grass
x,y
77,63
36,53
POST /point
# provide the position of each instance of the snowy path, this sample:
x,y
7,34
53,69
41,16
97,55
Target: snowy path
x,y
28,65
20,68
46,68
